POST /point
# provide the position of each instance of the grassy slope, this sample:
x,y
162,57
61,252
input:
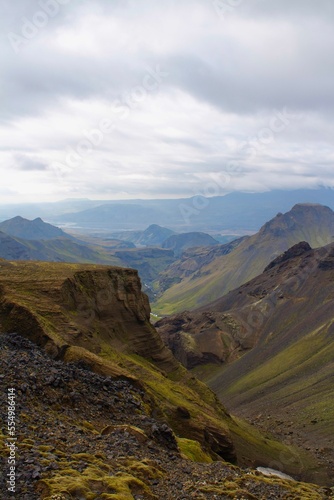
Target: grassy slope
x,y
32,292
245,262
289,374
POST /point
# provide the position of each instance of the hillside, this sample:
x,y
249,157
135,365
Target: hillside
x,y
304,222
267,348
179,243
191,261
52,250
31,229
154,235
105,444
96,319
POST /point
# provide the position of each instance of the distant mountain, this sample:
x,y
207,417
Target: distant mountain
x,y
305,222
181,242
53,250
13,249
31,229
154,235
45,242
273,338
240,213
115,217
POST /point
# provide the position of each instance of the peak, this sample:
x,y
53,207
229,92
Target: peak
x,y
294,251
17,218
303,206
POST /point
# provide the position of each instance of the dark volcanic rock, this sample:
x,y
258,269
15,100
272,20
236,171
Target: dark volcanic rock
x,y
295,251
65,450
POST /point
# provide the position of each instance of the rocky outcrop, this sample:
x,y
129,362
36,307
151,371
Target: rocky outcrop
x,y
93,307
198,338
295,251
111,302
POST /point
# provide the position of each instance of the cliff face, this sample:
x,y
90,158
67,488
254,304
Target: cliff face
x,y
94,307
111,309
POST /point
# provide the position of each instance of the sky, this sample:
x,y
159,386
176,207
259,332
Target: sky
x,y
125,99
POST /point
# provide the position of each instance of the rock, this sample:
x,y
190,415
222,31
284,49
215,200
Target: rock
x,y
272,472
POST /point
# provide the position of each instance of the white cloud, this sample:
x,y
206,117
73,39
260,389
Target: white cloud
x,y
220,84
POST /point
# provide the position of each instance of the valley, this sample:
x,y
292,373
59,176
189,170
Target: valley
x,y
235,374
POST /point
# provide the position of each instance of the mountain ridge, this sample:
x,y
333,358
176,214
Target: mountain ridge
x,y
304,222
267,348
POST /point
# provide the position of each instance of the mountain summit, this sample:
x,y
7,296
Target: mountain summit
x,y
36,229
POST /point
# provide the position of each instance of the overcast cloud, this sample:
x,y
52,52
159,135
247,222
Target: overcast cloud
x,y
116,99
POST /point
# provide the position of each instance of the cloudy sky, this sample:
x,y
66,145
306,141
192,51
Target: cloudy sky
x,y
116,99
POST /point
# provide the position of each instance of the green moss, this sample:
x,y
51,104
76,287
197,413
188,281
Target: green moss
x,y
193,451
98,481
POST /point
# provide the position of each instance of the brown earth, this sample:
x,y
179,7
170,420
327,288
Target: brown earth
x,y
275,366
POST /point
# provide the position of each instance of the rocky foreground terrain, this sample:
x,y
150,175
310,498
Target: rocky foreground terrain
x,y
86,436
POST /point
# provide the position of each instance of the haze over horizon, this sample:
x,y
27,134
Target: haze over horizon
x,y
126,100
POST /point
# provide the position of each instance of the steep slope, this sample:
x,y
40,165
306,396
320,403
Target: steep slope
x,y
98,317
182,242
31,229
305,222
104,443
191,261
276,333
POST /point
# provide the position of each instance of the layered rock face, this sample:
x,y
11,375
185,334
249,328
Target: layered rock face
x,y
110,307
59,306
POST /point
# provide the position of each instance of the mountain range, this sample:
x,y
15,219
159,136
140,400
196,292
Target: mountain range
x,y
233,214
211,278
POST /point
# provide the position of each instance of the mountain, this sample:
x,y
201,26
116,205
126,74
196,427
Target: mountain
x,y
236,213
154,235
181,242
310,222
115,217
48,243
191,261
53,250
113,412
31,230
267,348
